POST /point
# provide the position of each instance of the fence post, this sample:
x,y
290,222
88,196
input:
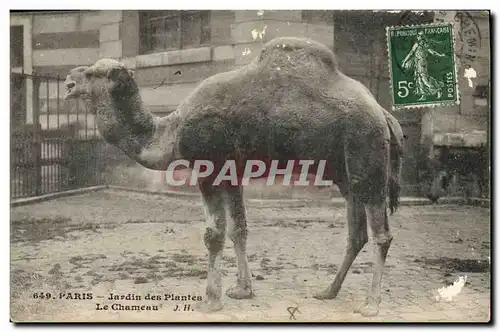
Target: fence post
x,y
37,135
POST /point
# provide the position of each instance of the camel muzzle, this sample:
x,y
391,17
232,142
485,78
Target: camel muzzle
x,y
69,90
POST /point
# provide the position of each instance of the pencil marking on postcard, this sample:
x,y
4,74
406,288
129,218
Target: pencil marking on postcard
x,y
292,311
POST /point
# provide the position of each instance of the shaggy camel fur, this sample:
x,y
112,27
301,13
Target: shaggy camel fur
x,y
291,102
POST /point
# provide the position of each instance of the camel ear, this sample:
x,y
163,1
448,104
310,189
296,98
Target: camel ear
x,y
89,71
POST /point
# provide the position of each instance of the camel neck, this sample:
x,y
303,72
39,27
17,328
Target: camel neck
x,y
137,120
125,123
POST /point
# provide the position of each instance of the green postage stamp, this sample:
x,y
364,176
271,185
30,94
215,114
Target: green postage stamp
x,y
422,65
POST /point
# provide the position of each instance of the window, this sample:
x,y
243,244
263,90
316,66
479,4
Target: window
x,y
162,30
481,95
481,91
16,46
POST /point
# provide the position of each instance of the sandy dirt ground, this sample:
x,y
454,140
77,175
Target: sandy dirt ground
x,y
128,243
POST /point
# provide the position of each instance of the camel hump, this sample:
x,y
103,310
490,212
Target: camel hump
x,y
288,45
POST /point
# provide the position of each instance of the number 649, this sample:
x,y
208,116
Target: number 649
x,y
403,88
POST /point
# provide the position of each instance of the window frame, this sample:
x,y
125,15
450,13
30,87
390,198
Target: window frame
x,y
26,22
145,32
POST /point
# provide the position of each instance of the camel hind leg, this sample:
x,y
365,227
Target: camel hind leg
x,y
215,216
375,195
367,171
238,234
357,237
382,238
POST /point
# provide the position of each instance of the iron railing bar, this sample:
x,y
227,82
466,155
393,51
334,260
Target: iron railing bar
x,y
77,118
49,167
44,168
58,142
48,104
86,121
68,110
14,187
57,105
41,170
95,124
59,155
52,173
36,132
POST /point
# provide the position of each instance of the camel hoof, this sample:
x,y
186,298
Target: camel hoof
x,y
239,293
208,306
369,308
327,294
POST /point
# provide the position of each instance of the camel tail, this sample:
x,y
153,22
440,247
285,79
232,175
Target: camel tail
x,y
396,154
394,193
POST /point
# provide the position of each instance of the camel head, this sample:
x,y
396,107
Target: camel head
x,y
109,90
106,78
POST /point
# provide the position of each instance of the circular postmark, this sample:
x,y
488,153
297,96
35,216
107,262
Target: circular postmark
x,y
468,38
467,34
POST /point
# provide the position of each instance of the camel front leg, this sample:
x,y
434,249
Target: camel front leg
x,y
238,234
214,237
382,238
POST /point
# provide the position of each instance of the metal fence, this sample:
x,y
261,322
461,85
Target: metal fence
x,y
55,145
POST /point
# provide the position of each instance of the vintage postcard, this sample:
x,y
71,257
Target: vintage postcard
x,y
242,166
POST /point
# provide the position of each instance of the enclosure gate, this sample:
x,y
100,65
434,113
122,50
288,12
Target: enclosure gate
x,y
55,145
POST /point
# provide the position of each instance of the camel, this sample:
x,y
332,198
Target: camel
x,y
291,102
